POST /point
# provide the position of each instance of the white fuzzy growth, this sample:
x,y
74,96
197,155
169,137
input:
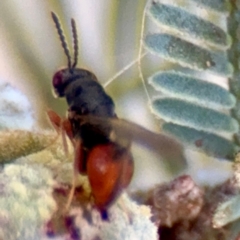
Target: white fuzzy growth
x,y
19,189
127,221
27,201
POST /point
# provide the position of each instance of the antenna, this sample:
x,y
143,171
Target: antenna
x,y
62,39
75,42
140,52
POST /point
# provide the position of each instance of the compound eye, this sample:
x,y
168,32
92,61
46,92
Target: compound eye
x,y
57,79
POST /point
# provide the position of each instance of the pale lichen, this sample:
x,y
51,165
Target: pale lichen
x,y
26,201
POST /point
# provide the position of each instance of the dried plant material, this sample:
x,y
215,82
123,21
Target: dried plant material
x,y
178,200
183,211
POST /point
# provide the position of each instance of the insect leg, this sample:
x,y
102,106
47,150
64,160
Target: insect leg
x,y
59,123
62,126
78,159
54,119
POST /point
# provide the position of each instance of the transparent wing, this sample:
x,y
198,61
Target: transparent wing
x,y
123,132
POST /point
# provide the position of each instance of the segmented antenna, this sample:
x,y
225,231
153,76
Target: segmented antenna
x,y
75,43
62,39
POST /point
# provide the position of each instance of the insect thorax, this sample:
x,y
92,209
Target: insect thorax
x,y
87,97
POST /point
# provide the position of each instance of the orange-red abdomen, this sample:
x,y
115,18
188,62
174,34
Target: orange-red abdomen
x,y
109,169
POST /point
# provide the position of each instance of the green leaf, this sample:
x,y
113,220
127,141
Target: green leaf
x,y
179,85
188,55
209,143
189,114
220,6
188,25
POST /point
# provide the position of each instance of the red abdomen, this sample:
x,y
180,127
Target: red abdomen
x,y
109,169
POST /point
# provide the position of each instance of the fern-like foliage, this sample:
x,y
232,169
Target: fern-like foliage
x,y
192,109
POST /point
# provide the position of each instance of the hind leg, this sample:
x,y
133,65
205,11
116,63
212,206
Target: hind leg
x,y
78,161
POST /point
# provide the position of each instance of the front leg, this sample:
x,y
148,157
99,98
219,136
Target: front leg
x,y
64,127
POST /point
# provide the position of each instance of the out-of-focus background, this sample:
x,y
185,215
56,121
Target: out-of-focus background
x,y
109,33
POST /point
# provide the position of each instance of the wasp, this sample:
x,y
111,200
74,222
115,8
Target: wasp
x,y
102,141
